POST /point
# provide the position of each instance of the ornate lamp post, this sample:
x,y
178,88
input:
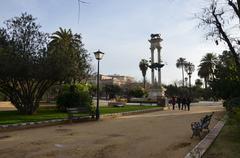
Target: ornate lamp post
x,y
98,56
189,68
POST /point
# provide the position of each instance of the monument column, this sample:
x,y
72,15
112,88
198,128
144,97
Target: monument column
x,y
152,62
159,68
156,90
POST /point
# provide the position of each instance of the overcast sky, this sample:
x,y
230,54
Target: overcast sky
x,y
121,29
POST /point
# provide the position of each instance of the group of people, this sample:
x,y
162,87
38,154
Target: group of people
x,y
182,102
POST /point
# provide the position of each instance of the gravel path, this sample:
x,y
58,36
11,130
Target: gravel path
x,y
164,134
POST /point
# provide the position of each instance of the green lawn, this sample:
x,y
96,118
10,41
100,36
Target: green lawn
x,y
227,144
12,117
108,110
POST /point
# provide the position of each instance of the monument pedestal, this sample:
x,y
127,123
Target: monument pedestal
x,y
154,93
157,94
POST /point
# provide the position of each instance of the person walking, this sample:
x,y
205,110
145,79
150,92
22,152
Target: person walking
x,y
188,102
179,100
173,102
184,103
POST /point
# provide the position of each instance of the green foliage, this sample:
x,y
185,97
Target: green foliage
x,y
181,62
143,65
74,96
2,97
112,91
173,90
226,84
137,92
206,67
30,65
232,104
64,42
198,83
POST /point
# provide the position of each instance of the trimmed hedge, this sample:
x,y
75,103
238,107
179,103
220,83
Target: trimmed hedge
x,y
232,104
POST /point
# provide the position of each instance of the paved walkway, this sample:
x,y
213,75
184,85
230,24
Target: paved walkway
x,y
164,134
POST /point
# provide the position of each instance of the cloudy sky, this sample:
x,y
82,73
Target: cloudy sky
x,y
121,29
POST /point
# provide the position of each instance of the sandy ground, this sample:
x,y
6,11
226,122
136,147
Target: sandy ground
x,y
164,134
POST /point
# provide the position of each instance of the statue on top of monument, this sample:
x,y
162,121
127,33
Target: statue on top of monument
x,y
154,36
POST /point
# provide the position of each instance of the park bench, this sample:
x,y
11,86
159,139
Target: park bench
x,y
73,113
198,127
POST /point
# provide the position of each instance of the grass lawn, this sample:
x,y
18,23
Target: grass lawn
x,y
12,117
227,144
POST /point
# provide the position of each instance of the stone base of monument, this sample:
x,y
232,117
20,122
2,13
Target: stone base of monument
x,y
158,95
154,94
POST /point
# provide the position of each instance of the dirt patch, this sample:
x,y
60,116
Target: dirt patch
x,y
105,151
4,137
179,146
116,135
63,130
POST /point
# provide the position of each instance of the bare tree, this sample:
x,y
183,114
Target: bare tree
x,y
221,18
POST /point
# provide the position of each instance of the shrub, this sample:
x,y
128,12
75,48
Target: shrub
x,y
74,96
232,104
137,92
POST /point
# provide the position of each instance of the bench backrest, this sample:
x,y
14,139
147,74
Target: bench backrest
x,y
78,109
205,121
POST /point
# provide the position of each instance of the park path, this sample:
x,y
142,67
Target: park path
x,y
164,134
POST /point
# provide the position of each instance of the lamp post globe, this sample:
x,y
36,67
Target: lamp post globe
x,y
98,55
189,69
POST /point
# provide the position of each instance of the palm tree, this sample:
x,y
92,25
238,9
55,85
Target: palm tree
x,y
181,62
206,67
143,65
65,42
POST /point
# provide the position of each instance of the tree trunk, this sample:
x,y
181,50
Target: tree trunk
x,y
205,82
182,76
144,82
25,95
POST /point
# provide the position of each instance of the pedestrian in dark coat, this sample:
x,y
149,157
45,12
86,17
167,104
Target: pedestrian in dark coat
x,y
188,102
173,102
179,100
184,103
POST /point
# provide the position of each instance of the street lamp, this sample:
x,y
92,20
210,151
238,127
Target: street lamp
x,y
98,56
189,68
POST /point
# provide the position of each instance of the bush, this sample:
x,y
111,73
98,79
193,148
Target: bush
x,y
74,96
232,104
137,92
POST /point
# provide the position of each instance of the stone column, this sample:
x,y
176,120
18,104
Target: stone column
x,y
159,69
152,61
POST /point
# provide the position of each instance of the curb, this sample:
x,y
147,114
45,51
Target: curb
x,y
65,120
199,150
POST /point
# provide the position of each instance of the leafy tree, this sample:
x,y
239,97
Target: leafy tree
x,y
226,84
174,90
136,92
206,67
181,62
28,66
111,91
143,65
78,95
221,18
